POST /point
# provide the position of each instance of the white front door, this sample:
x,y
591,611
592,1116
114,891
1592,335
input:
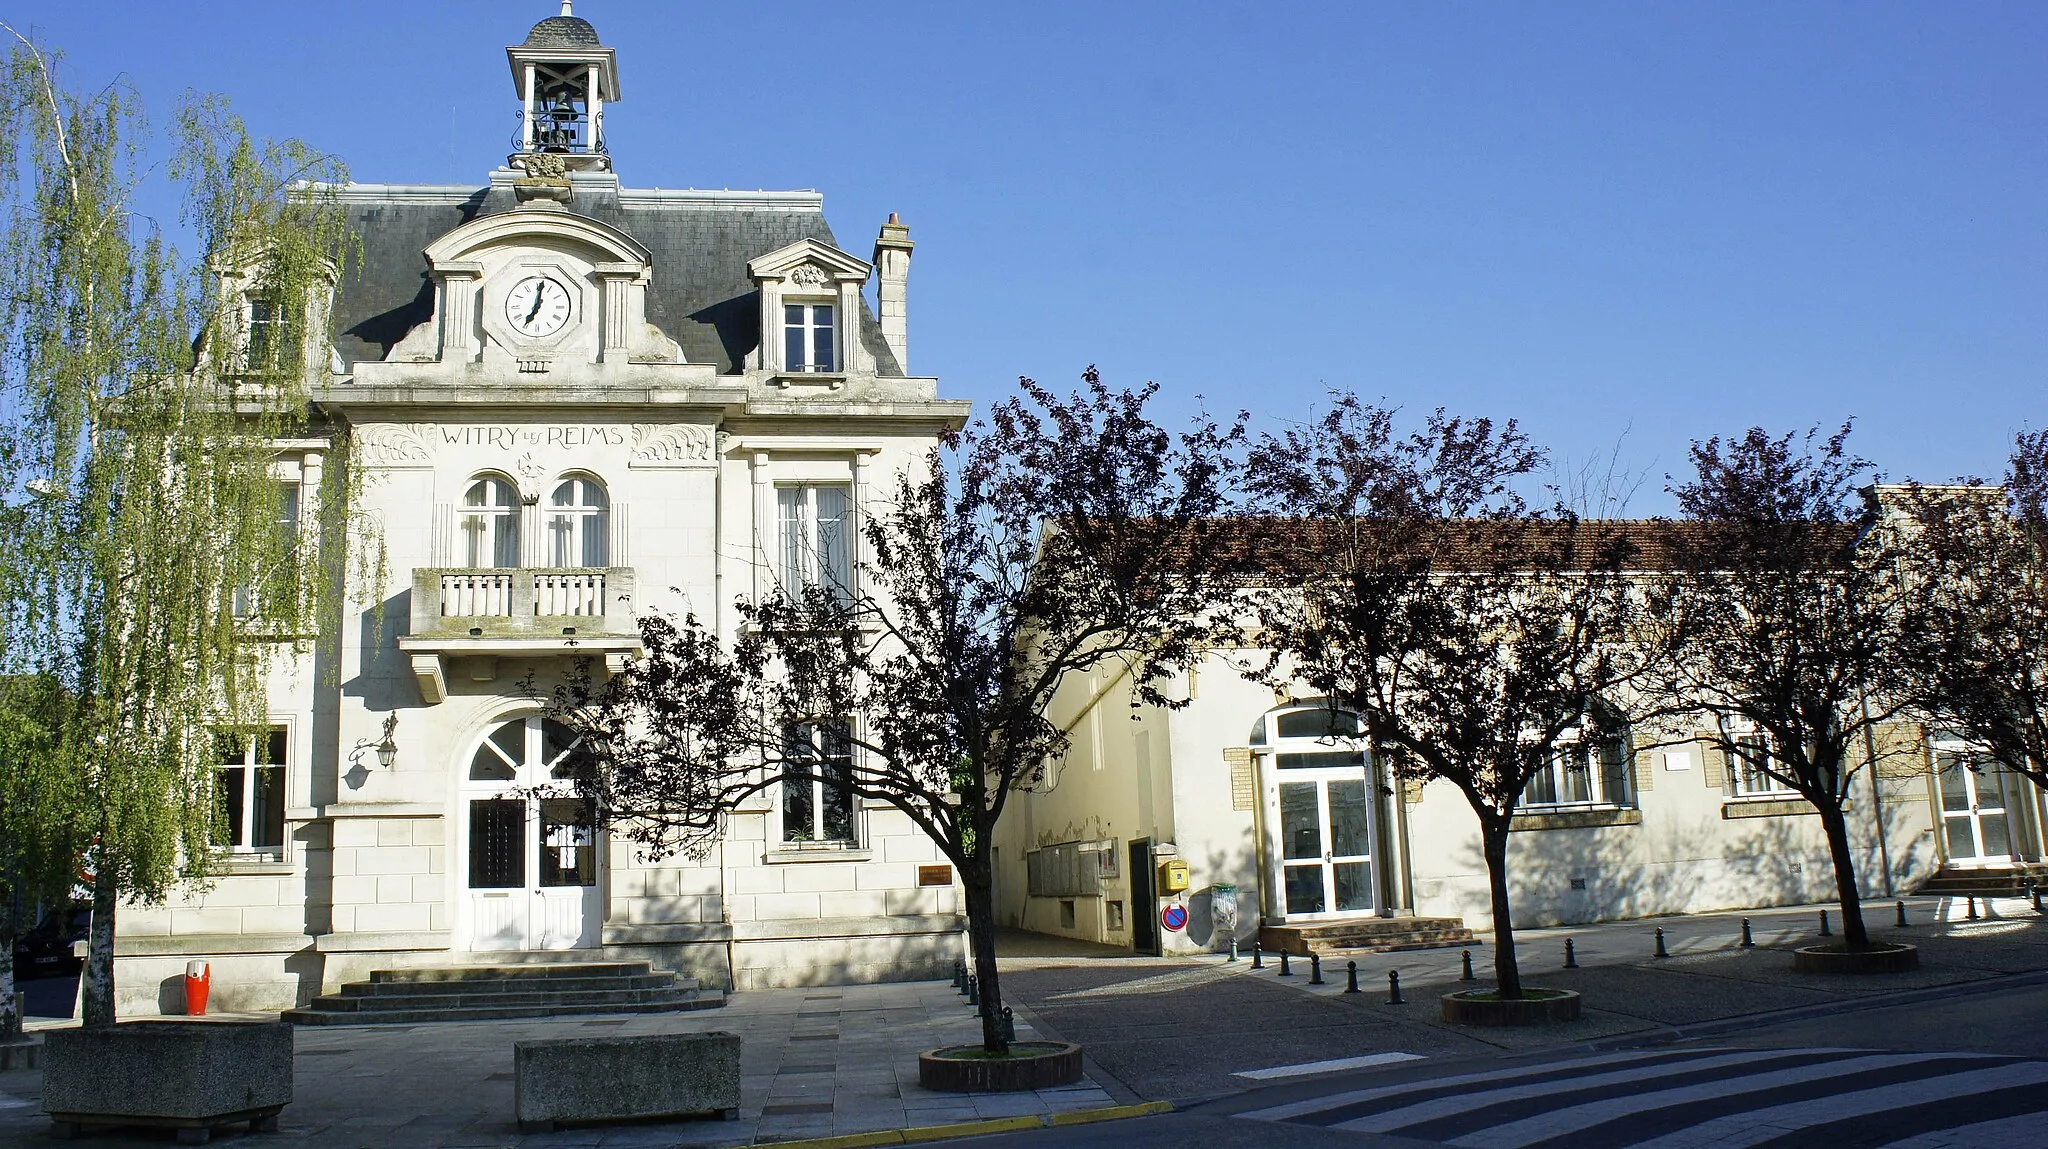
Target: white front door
x,y
1321,842
532,853
1974,820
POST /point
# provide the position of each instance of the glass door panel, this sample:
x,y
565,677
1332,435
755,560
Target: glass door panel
x,y
1321,835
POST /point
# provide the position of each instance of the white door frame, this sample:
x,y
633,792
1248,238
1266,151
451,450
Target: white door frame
x,y
1277,861
537,914
1972,816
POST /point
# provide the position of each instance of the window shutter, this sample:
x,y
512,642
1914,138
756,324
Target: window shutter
x,y
1243,790
1713,762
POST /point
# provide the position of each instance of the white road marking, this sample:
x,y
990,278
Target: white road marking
x,y
1743,1129
1329,1066
1352,1097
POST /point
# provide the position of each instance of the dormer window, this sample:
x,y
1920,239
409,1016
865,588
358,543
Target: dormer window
x,y
808,342
269,336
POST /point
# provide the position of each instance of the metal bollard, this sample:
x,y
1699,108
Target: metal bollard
x,y
1351,977
2037,899
1285,969
1571,957
1748,942
960,977
973,991
1394,987
1258,955
1009,1026
1972,899
1902,913
1661,951
1233,950
1467,975
1315,969
1824,930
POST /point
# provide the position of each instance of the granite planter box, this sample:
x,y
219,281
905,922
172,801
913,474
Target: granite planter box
x,y
568,1080
186,1075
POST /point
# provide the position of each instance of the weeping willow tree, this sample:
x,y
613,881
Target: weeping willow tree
x,y
154,570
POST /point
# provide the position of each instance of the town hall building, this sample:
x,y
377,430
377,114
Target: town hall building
x,y
569,401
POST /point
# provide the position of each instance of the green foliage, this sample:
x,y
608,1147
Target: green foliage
x,y
151,572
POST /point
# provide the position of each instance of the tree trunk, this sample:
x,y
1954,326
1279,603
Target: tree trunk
x,y
10,1018
1836,825
979,884
1494,844
97,999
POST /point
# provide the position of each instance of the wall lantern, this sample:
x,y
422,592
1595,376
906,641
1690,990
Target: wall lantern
x,y
387,750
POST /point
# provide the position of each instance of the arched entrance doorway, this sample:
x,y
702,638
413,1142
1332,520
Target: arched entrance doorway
x,y
531,854
1321,815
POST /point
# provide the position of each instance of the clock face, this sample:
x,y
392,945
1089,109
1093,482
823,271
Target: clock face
x,y
537,306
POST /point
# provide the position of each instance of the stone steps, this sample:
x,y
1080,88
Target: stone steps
x,y
1367,935
2007,881
494,992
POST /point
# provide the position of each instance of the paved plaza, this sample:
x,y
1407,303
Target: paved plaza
x,y
827,1061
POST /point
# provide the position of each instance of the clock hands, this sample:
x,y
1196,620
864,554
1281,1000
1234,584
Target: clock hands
x,y
539,293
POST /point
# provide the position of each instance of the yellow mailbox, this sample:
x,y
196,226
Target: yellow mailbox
x,y
1173,876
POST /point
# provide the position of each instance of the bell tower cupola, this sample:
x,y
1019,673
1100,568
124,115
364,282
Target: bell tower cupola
x,y
564,77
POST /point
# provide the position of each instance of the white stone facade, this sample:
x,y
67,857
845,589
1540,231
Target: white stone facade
x,y
569,404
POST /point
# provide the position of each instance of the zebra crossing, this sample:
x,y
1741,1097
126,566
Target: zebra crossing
x,y
1721,1098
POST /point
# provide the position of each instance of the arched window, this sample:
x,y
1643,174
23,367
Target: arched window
x,y
579,532
1310,736
490,523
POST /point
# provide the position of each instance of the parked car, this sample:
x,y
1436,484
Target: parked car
x,y
46,950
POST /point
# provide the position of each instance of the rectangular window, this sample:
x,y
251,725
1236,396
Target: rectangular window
x,y
808,343
815,538
1748,767
248,596
1580,774
268,336
817,804
249,787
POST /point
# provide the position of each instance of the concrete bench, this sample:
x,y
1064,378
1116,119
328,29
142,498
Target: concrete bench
x,y
569,1080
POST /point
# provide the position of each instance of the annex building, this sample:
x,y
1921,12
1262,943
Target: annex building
x,y
570,401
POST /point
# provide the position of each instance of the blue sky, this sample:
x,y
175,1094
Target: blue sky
x,y
1616,222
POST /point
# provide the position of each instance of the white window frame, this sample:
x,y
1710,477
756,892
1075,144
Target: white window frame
x,y
263,354
807,329
485,538
1573,754
799,555
1747,782
255,746
290,524
811,837
570,523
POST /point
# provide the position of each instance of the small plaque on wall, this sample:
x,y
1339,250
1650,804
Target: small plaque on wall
x,y
935,875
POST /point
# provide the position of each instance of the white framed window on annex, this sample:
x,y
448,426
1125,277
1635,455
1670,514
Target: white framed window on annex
x,y
489,522
1752,759
1588,767
579,527
814,537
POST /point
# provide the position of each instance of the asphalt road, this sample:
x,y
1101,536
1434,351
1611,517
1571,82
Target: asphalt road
x,y
2006,1022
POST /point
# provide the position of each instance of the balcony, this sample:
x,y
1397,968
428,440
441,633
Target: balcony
x,y
483,615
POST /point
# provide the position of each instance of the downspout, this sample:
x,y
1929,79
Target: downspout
x,y
1884,854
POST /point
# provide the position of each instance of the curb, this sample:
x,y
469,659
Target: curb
x,y
978,1128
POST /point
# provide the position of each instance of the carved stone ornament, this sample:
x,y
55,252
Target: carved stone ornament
x,y
396,445
545,166
673,445
808,275
530,467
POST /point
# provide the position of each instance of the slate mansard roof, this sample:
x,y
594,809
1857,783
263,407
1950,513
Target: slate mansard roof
x,y
701,295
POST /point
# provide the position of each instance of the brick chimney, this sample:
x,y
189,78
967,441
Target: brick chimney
x,y
892,265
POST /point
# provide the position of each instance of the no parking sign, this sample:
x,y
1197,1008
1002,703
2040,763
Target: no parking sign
x,y
1174,918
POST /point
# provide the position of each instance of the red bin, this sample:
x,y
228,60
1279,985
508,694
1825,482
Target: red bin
x,y
198,983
